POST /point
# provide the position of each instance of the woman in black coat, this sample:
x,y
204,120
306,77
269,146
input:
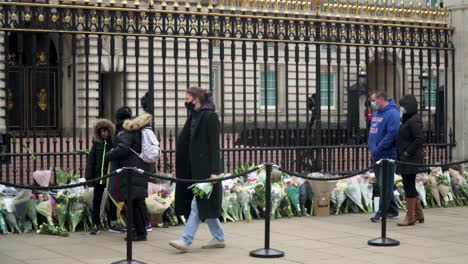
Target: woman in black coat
x,y
130,138
409,144
198,157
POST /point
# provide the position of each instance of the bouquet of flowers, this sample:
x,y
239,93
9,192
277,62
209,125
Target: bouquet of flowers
x,y
245,196
285,206
277,195
21,208
366,192
293,193
225,207
258,200
42,177
203,190
306,194
76,210
45,209
421,182
62,177
157,203
171,215
338,195
3,227
457,181
61,211
399,185
32,213
229,206
445,190
48,229
434,186
353,192
7,210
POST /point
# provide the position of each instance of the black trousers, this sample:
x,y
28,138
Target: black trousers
x,y
409,184
140,216
97,198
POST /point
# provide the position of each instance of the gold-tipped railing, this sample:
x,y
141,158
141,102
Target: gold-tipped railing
x,y
416,11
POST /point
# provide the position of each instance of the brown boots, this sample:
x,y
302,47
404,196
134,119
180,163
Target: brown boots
x,y
414,212
419,211
410,217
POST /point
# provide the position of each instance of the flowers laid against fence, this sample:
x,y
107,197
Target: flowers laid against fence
x,y
69,210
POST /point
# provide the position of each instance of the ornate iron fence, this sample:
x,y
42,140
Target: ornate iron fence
x,y
67,64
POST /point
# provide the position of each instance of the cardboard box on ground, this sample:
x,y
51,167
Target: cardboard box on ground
x,y
322,191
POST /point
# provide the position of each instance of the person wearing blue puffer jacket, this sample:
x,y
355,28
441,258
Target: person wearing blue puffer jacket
x,y
383,134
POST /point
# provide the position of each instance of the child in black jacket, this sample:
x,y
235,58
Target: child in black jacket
x,y
97,166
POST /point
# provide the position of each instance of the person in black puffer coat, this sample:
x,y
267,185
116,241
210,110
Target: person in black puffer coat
x,y
128,139
409,144
97,166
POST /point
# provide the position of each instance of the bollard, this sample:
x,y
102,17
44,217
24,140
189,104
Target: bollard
x,y
384,241
267,252
129,259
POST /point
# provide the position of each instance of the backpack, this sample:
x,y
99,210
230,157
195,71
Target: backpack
x,y
150,150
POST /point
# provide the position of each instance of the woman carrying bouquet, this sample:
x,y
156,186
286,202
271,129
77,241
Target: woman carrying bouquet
x,y
97,166
198,157
409,144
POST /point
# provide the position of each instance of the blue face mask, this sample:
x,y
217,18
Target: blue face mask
x,y
374,105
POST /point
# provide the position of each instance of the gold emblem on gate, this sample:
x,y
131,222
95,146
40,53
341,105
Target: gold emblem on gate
x,y
27,17
54,18
41,18
42,99
11,59
42,58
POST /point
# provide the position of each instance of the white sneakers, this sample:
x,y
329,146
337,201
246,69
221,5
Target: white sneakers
x,y
214,243
183,247
180,245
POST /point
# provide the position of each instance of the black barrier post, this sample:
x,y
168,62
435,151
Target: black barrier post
x,y
267,252
129,259
384,241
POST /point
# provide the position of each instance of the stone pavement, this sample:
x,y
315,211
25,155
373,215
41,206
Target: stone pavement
x,y
335,239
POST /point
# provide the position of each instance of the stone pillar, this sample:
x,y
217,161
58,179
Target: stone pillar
x,y
459,20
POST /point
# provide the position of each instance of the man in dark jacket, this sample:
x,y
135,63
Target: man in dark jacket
x,y
127,142
383,134
97,166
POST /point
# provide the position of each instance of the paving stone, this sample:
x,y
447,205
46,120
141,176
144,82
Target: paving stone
x,y
324,240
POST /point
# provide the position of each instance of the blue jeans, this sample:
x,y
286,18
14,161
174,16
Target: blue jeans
x,y
194,221
391,206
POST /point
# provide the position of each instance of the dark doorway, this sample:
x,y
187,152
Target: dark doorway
x,y
33,94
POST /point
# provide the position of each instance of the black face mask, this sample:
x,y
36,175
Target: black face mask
x,y
189,105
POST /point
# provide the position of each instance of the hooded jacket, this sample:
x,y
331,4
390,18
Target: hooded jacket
x,y
383,132
130,137
96,163
410,137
